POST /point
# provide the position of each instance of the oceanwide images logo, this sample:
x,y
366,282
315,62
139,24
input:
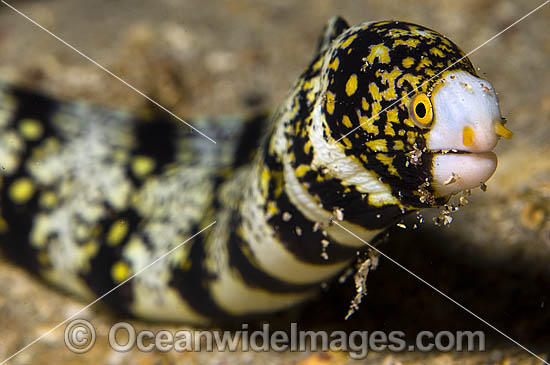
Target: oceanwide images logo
x,y
80,337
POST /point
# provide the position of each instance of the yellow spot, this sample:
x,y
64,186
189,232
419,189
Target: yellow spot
x,y
377,145
347,42
307,146
398,145
392,116
411,42
367,124
445,48
31,129
376,108
375,92
334,64
291,157
437,52
142,166
379,51
388,161
364,104
3,225
48,199
409,123
302,170
329,102
21,190
346,121
423,63
90,248
413,80
408,62
295,106
351,85
396,33
468,136
117,232
279,184
264,180
446,41
411,137
429,72
310,96
502,131
317,64
389,130
389,79
347,142
297,127
272,208
120,271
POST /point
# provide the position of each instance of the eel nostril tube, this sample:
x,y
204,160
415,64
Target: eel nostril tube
x,y
502,131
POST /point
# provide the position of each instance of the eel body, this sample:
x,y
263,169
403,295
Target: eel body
x,y
388,118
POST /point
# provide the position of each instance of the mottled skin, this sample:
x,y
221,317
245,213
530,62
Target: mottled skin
x,y
89,196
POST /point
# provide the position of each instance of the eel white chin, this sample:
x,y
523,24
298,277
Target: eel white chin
x,y
454,172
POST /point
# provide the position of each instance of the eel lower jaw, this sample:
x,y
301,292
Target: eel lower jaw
x,y
455,171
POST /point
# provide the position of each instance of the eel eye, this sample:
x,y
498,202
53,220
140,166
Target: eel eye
x,y
421,110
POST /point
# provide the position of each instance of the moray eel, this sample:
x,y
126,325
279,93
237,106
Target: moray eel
x,y
389,118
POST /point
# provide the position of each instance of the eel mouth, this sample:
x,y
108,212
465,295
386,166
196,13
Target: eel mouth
x,y
454,170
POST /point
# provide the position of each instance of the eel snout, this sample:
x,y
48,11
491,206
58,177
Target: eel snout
x,y
467,127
